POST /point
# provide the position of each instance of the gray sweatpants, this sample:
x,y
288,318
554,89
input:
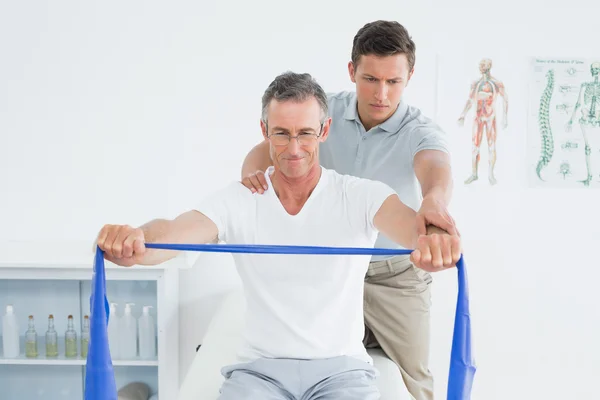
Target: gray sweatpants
x,y
286,379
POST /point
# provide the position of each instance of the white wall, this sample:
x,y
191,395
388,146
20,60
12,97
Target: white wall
x,y
122,112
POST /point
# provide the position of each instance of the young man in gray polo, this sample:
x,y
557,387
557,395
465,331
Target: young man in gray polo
x,y
376,135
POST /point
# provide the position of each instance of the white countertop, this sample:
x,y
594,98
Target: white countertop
x,y
63,254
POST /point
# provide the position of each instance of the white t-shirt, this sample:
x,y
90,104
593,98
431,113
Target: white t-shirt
x,y
301,306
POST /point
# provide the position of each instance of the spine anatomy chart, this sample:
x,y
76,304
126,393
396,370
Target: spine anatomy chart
x,y
564,123
547,142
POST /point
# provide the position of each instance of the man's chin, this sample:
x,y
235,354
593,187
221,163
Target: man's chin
x,y
379,115
294,171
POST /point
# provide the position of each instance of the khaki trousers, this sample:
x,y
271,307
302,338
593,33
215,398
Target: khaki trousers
x,y
396,304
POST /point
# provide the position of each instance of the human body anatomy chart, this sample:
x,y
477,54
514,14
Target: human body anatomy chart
x,y
483,95
564,123
483,122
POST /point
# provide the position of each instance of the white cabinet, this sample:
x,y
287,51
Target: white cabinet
x,y
40,279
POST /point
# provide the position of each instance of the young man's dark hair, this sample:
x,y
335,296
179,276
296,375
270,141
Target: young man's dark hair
x,y
383,38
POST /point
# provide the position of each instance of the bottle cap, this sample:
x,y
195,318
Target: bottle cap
x,y
146,310
9,309
128,307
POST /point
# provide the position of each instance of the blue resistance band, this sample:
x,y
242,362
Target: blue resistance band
x,y
100,381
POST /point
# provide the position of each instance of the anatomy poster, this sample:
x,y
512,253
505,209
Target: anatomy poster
x,y
564,123
481,106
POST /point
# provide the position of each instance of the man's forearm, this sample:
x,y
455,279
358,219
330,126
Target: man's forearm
x,y
257,159
438,190
397,222
434,173
189,227
437,183
158,231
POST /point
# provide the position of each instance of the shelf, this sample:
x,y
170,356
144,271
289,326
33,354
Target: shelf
x,y
43,278
22,360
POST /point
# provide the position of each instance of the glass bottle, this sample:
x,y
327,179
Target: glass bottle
x,y
31,350
85,336
51,338
70,339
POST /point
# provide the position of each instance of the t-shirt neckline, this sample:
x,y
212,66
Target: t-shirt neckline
x,y
309,201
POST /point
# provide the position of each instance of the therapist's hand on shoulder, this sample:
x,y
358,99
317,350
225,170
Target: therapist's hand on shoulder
x,y
436,252
122,244
256,182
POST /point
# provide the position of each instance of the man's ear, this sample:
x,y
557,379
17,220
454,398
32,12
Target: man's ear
x,y
410,74
325,130
351,71
263,128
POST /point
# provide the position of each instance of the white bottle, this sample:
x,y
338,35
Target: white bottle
x,y
128,336
147,334
113,332
10,334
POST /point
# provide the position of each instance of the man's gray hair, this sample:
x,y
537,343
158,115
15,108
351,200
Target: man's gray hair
x,y
291,86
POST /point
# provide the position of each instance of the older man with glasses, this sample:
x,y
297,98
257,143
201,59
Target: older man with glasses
x,y
303,332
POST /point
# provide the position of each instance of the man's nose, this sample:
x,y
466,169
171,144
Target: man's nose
x,y
382,91
293,146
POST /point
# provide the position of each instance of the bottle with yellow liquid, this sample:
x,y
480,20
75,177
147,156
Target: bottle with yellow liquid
x,y
31,350
70,339
85,336
51,339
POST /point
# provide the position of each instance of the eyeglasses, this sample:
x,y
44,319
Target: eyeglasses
x,y
304,139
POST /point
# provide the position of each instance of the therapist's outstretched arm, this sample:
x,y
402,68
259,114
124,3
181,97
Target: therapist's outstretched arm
x,y
125,245
432,252
256,162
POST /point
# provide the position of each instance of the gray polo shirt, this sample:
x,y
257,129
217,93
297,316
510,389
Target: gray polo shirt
x,y
385,153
